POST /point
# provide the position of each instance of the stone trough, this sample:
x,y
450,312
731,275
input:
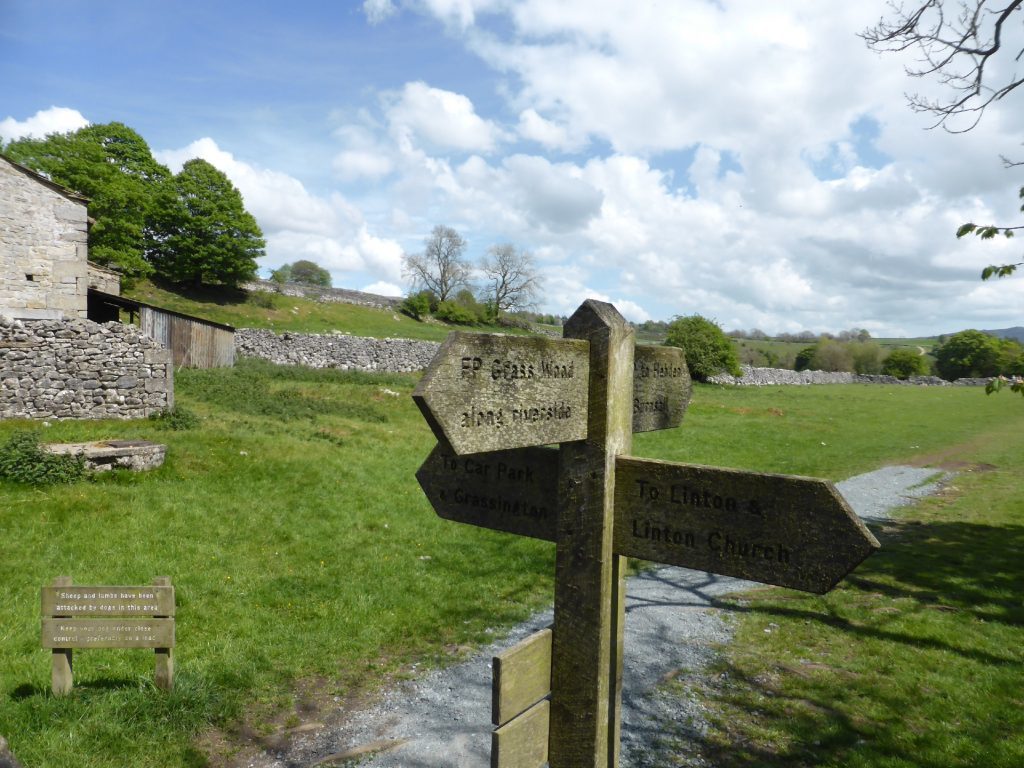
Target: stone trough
x,y
101,455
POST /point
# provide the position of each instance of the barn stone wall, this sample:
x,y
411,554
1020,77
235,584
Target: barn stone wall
x,y
43,248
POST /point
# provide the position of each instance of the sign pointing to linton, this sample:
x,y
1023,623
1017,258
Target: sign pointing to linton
x,y
795,532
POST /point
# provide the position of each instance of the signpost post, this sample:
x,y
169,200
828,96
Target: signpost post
x,y
491,400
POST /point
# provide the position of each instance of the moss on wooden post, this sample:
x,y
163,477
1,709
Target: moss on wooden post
x,y
587,663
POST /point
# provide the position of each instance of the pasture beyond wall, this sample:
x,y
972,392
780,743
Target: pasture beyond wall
x,y
52,369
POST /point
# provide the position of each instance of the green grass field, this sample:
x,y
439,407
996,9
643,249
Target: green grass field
x,y
309,566
917,659
291,313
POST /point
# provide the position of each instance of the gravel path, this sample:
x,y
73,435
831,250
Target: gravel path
x,y
443,719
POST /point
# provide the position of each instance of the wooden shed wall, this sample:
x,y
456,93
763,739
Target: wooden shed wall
x,y
193,343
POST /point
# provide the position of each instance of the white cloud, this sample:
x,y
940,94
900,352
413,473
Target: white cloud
x,y
298,224
382,288
534,127
750,161
461,12
352,164
277,200
42,123
445,119
378,10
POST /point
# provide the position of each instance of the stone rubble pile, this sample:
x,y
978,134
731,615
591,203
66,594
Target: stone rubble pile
x,y
336,350
81,370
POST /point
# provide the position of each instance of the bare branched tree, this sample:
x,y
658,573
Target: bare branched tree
x,y
441,268
955,43
512,279
957,48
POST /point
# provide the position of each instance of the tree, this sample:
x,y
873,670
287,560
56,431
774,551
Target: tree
x,y
302,272
803,358
904,363
512,279
199,231
113,167
282,274
867,356
708,350
831,355
987,232
956,48
968,354
441,268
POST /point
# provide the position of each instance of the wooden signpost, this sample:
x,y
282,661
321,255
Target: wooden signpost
x,y
491,400
75,616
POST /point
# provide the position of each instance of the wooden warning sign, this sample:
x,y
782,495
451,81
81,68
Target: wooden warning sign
x,y
75,616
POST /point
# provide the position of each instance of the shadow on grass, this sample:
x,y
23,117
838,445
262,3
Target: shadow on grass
x,y
207,294
29,690
926,592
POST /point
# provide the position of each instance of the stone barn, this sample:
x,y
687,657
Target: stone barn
x,y
44,273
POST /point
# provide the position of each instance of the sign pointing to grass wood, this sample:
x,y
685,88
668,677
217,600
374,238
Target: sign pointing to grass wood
x,y
485,392
491,400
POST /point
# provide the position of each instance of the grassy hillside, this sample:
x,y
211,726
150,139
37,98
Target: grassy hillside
x,y
289,313
309,567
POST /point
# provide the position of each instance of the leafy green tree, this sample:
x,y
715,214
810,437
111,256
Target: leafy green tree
x,y
904,363
417,305
803,358
282,274
305,272
831,355
113,167
969,353
1011,357
708,350
987,232
199,231
867,356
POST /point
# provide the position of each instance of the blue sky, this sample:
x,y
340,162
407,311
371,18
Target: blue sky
x,y
750,162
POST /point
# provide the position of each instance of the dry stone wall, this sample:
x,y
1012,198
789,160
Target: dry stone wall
x,y
770,377
339,350
51,369
336,350
325,295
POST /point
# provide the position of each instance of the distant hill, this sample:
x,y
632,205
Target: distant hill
x,y
1017,333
